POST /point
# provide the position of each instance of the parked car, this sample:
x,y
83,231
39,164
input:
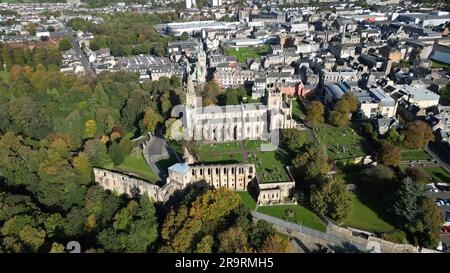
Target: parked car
x,y
433,188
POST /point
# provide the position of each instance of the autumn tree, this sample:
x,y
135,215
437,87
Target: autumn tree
x,y
416,174
388,154
417,134
90,128
151,119
206,214
233,240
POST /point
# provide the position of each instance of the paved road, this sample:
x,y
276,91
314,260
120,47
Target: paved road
x,y
333,239
66,32
433,151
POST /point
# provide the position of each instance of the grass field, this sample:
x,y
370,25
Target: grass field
x,y
4,75
341,143
243,53
247,199
220,158
364,217
414,155
438,174
138,166
301,216
269,166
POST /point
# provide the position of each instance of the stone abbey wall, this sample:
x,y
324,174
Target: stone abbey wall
x,y
122,183
236,177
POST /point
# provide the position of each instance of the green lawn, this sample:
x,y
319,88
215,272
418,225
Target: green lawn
x,y
138,166
297,111
247,199
220,158
216,148
341,143
301,216
438,65
243,53
414,155
438,174
364,217
269,166
252,145
4,75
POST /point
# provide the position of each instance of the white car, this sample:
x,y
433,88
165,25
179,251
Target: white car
x,y
433,188
440,246
438,203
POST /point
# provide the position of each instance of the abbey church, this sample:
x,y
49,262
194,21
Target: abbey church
x,y
246,121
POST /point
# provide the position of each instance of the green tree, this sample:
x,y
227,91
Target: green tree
x,y
332,198
315,113
294,138
65,44
118,151
135,228
83,168
184,36
404,203
312,164
394,137
342,110
429,223
97,153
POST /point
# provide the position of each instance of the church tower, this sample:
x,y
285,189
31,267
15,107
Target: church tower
x,y
274,98
191,96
